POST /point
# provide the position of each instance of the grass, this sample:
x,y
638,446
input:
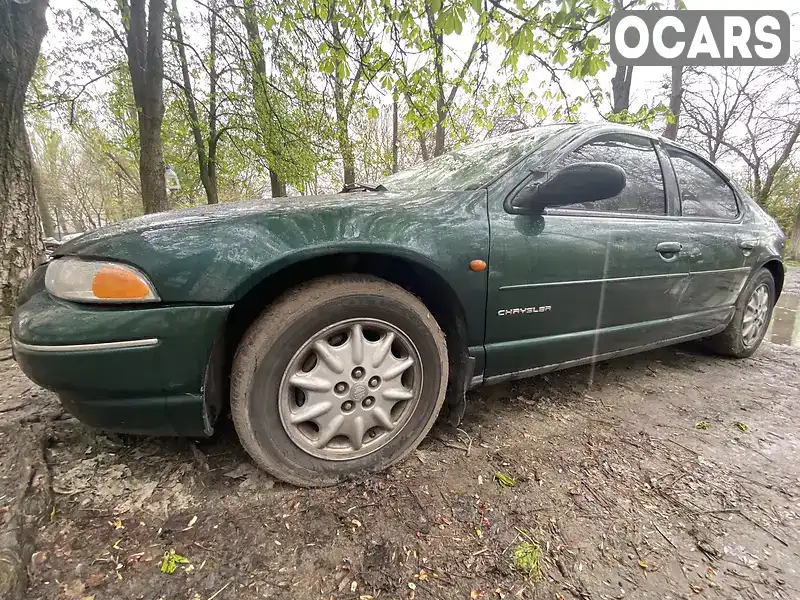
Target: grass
x,y
526,557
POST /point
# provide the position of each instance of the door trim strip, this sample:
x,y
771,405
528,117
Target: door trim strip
x,y
521,286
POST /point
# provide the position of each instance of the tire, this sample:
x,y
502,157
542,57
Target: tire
x,y
733,341
267,402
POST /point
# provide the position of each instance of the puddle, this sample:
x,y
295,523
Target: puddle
x,y
785,325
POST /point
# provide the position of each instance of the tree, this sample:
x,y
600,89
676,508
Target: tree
x,y
206,148
752,114
22,29
144,38
675,103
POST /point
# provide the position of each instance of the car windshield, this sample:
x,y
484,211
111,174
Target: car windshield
x,y
472,166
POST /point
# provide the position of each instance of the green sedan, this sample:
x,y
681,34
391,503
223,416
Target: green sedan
x,y
335,329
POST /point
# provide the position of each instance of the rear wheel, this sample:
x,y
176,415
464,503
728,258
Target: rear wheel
x,y
341,376
746,331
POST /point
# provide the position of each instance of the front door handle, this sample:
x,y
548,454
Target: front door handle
x,y
669,247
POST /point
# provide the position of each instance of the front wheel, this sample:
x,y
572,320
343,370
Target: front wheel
x,y
751,319
341,376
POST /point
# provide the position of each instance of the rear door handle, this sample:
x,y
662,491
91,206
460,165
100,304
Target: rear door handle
x,y
748,244
669,247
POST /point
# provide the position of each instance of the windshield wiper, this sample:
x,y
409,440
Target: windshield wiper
x,y
363,187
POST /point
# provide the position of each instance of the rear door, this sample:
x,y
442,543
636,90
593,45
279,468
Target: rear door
x,y
718,251
586,280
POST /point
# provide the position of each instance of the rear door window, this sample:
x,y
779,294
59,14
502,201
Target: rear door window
x,y
703,192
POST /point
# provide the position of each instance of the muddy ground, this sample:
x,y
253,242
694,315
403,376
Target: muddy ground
x,y
672,474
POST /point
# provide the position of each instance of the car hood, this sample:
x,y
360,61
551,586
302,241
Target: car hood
x,y
367,201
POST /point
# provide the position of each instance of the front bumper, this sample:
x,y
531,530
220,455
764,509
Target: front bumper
x,y
128,369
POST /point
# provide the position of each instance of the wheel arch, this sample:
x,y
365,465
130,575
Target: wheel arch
x,y
414,273
776,268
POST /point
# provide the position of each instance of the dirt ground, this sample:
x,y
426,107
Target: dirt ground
x,y
671,474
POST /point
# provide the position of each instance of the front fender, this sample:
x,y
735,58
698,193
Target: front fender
x,y
216,256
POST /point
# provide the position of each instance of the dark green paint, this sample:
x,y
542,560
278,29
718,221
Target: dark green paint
x,y
608,290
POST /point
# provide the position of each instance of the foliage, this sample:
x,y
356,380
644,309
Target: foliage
x,y
171,561
303,91
784,199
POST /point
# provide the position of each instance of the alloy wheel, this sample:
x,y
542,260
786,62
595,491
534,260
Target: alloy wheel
x,y
754,321
350,389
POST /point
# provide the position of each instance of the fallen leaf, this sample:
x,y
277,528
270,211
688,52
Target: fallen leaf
x,y
475,595
412,585
171,560
116,524
354,586
741,426
192,521
422,575
643,564
702,425
505,480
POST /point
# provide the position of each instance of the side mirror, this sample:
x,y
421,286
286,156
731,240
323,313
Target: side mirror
x,y
576,183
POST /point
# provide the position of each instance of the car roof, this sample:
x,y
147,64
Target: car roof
x,y
606,127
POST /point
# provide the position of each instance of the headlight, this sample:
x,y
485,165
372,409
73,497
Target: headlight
x,y
98,281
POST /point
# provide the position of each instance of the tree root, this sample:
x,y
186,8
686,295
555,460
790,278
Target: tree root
x,y
33,503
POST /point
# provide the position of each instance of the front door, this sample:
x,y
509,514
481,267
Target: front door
x,y
587,280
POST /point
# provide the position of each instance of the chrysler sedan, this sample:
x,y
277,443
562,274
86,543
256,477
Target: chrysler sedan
x,y
335,329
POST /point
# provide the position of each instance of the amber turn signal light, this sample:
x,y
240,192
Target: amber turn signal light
x,y
112,283
477,265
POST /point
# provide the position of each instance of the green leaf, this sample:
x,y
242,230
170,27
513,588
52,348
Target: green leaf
x,y
372,112
505,480
171,560
477,6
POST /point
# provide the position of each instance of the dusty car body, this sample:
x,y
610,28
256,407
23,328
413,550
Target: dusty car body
x,y
526,253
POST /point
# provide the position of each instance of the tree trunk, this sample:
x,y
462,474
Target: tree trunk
x,y
395,137
209,185
438,138
675,99
48,226
145,36
342,112
260,82
437,41
423,147
621,89
793,251
22,28
621,82
151,166
277,186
